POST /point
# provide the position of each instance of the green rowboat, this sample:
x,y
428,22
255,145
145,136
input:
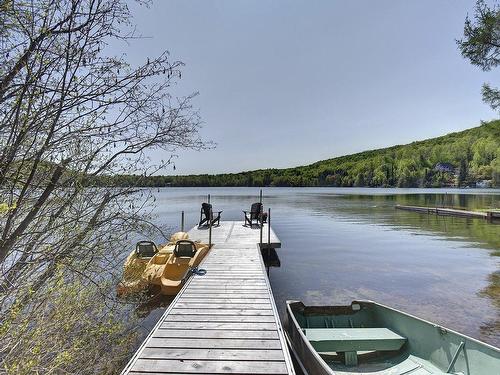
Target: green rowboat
x,y
368,338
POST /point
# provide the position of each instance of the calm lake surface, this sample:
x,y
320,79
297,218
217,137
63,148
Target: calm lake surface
x,y
340,244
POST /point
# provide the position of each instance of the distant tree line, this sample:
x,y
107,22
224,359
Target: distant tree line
x,y
472,156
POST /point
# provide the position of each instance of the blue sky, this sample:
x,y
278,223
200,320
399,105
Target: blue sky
x,y
286,83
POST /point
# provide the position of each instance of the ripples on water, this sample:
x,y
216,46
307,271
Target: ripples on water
x,y
340,244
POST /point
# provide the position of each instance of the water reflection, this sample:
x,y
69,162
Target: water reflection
x,y
152,302
344,244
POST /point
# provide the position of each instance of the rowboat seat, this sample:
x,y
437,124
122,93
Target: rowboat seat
x,y
352,340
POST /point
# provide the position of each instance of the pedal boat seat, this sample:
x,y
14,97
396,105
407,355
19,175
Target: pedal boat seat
x,y
178,266
184,249
145,249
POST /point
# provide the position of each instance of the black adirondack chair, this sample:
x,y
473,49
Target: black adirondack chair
x,y
208,216
255,214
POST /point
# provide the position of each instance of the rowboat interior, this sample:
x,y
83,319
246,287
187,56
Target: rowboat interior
x,y
369,338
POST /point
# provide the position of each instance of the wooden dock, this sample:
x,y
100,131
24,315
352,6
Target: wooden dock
x,y
224,322
446,211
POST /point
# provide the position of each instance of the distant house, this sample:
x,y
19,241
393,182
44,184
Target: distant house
x,y
483,184
444,167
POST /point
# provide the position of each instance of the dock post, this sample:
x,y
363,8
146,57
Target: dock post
x,y
268,237
269,227
261,223
208,200
210,228
261,229
182,221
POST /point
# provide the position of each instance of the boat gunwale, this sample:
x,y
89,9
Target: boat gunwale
x,y
294,325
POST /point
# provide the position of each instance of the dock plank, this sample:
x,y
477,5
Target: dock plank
x,y
248,295
259,326
229,289
214,354
203,311
167,366
158,342
221,306
216,334
226,294
205,299
221,318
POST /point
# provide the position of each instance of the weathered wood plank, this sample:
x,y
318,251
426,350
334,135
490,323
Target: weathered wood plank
x,y
241,271
204,299
210,306
233,261
232,274
221,288
220,318
227,294
223,265
195,366
222,285
243,289
213,343
245,326
237,277
221,295
234,270
225,254
215,334
202,311
225,290
241,268
213,354
227,282
246,255
226,279
233,265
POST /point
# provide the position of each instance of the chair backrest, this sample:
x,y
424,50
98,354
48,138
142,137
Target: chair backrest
x,y
185,249
145,249
255,210
207,209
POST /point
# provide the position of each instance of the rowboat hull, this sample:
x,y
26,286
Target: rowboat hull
x,y
427,348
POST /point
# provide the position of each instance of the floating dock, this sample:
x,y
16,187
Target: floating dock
x,y
445,211
224,322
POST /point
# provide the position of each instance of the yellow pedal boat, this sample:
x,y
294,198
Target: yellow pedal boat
x,y
167,268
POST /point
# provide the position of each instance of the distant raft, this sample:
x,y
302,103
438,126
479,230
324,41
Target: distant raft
x,y
167,268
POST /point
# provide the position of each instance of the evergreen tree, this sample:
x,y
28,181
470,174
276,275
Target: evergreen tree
x,y
481,45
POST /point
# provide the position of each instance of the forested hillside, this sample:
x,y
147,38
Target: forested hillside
x,y
457,159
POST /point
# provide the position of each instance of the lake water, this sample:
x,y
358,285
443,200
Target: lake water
x,y
340,244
